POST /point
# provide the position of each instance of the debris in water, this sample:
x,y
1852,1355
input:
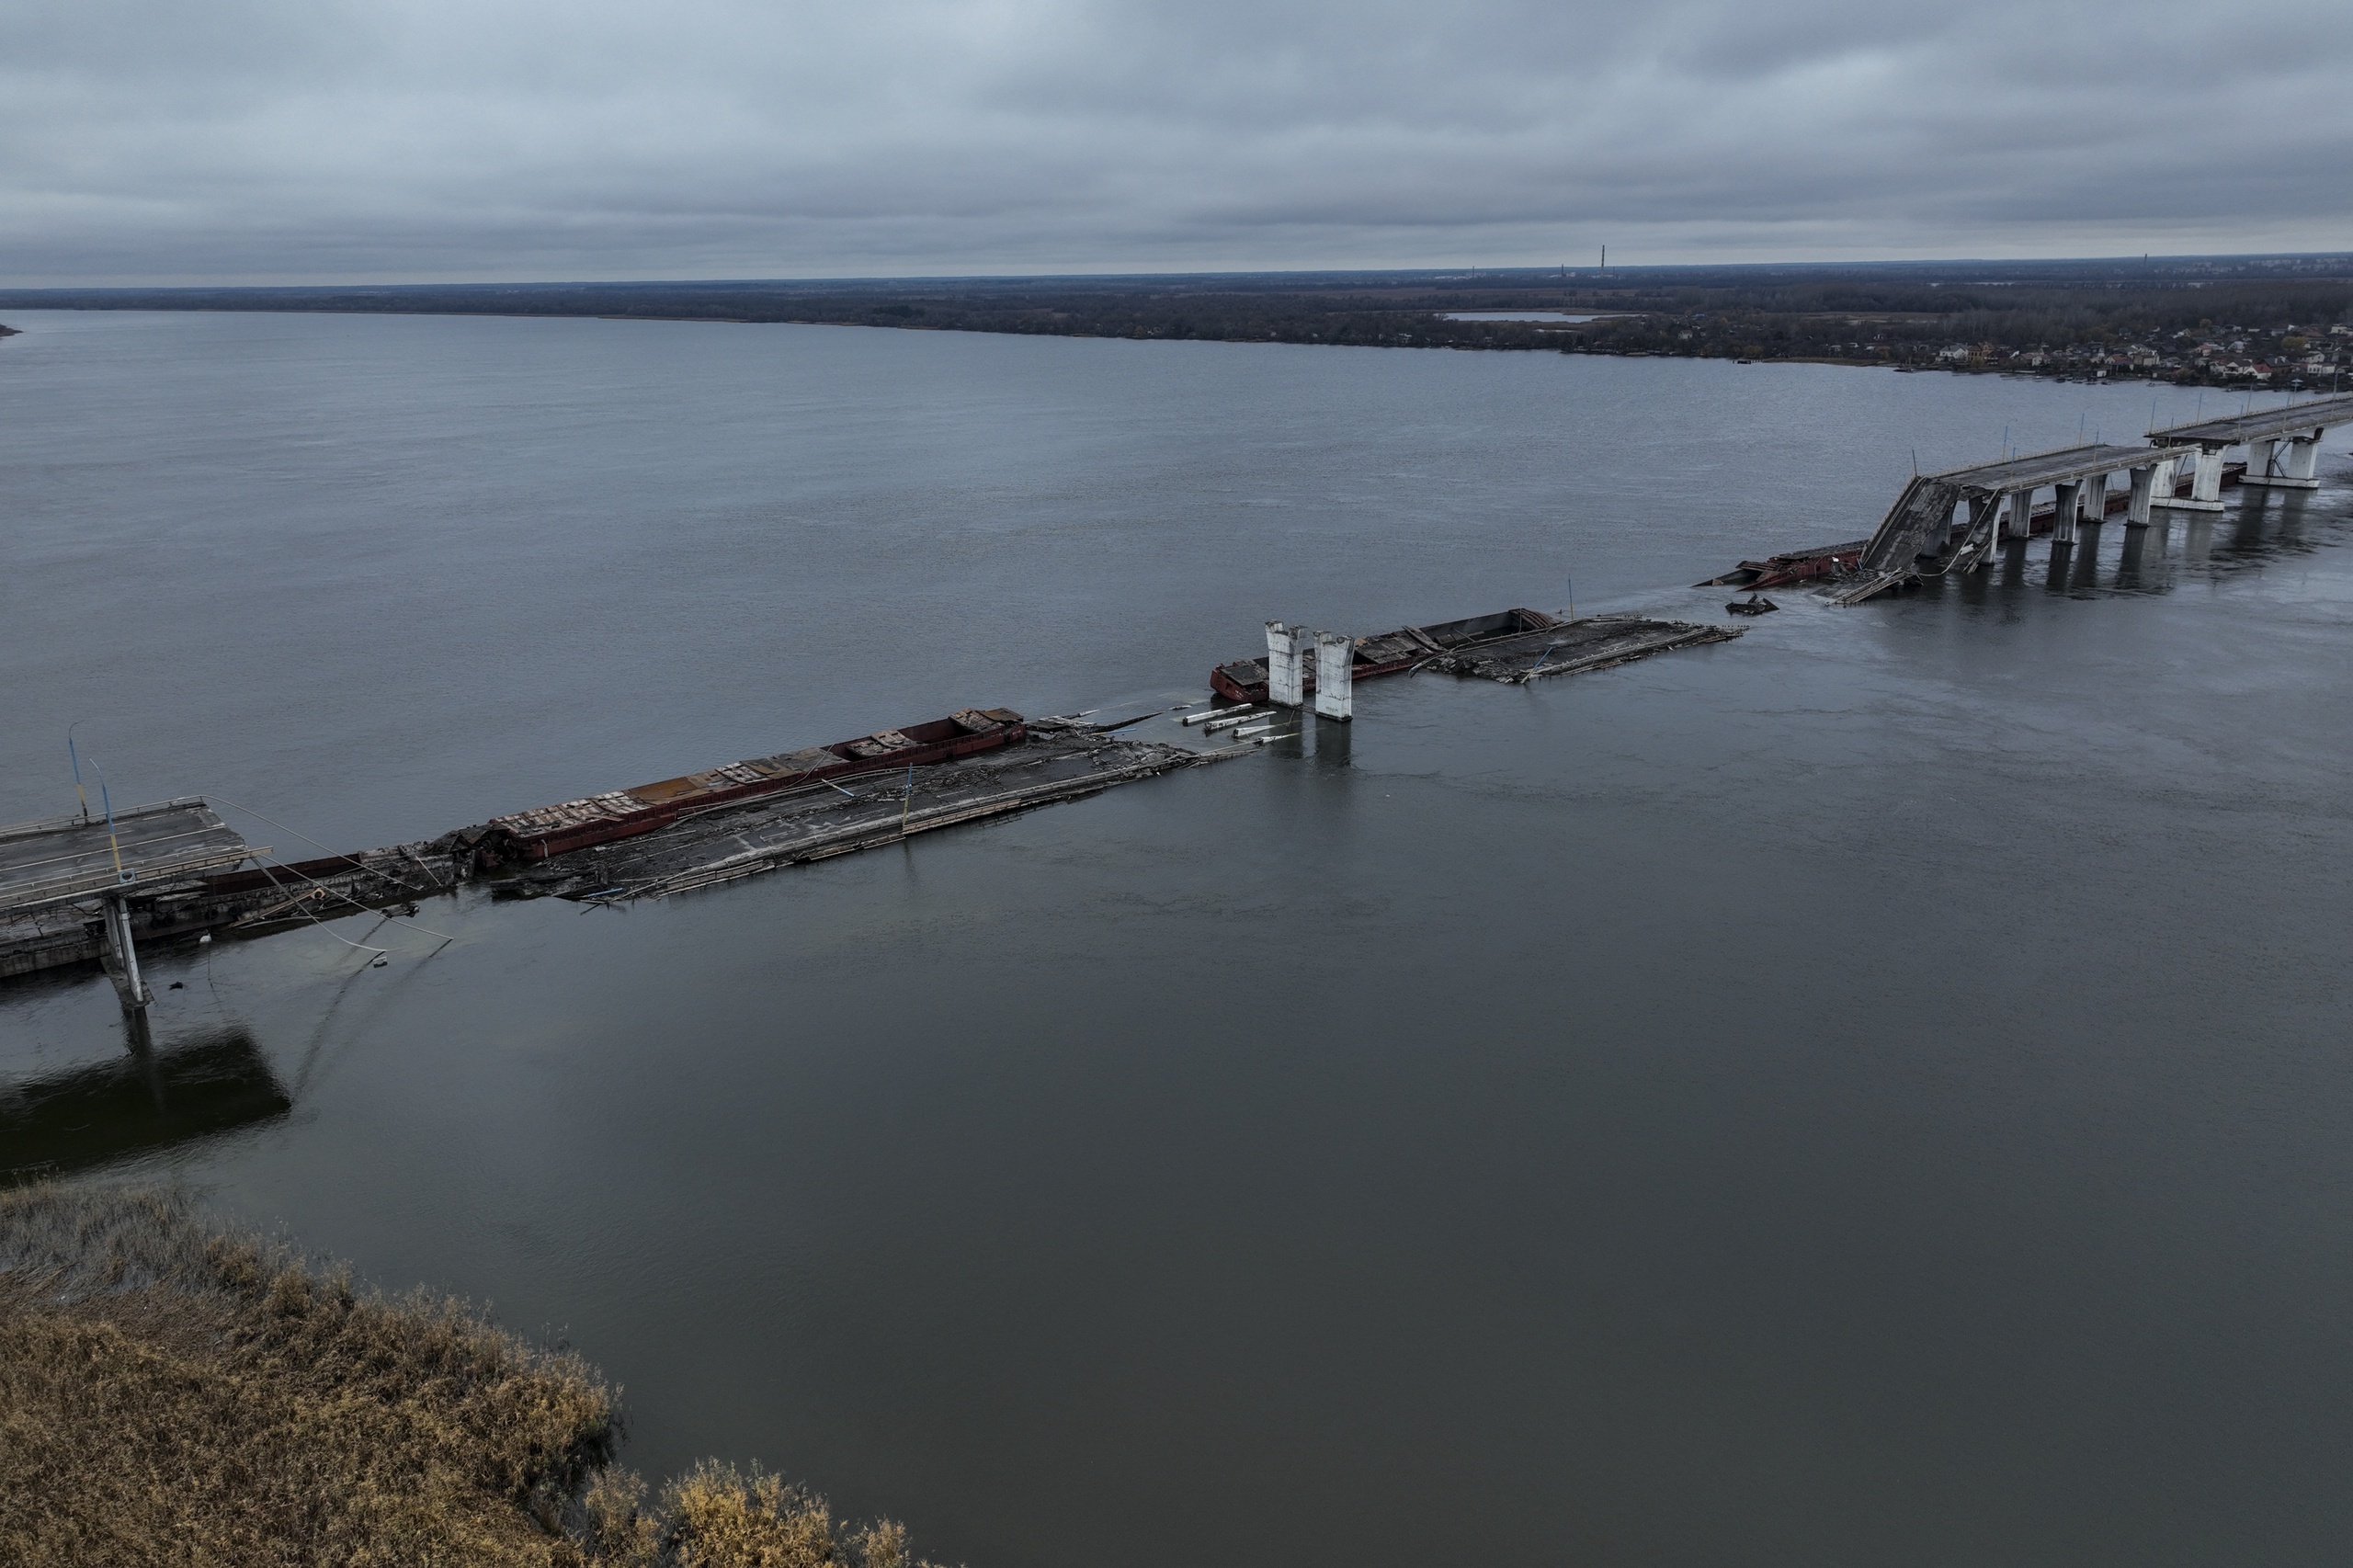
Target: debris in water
x,y
1792,566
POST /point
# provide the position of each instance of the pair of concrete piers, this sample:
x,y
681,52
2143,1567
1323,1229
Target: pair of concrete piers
x,y
1336,654
2298,467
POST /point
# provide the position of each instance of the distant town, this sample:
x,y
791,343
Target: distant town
x,y
2254,353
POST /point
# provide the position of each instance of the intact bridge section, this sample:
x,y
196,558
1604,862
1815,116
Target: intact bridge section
x,y
1952,521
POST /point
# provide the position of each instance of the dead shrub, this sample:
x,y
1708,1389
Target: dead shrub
x,y
174,1391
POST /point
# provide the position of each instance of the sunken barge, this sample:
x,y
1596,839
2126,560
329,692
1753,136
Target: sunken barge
x,y
63,902
76,890
548,831
1512,645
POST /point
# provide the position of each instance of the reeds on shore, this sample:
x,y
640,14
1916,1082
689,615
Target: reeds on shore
x,y
175,1390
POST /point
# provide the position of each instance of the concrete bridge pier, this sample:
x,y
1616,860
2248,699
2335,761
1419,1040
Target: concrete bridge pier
x,y
2293,469
2205,483
2064,514
1335,656
1286,674
2018,518
2144,485
2096,498
2260,465
2304,461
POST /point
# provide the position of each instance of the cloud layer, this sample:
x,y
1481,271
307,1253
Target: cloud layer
x,y
149,140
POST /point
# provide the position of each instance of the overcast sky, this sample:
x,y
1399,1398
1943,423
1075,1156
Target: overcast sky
x,y
269,141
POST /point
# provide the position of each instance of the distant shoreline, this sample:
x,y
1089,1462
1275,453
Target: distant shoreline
x,y
2274,323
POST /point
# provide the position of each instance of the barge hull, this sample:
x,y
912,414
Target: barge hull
x,y
594,819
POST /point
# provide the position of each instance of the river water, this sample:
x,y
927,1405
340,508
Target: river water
x,y
1875,1091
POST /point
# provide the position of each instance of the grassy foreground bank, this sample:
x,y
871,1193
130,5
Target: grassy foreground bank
x,y
172,1390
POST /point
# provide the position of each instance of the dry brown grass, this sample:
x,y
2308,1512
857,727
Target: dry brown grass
x,y
171,1392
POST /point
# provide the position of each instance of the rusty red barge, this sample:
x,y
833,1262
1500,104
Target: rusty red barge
x,y
624,813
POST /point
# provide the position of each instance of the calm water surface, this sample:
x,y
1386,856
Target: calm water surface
x,y
1874,1091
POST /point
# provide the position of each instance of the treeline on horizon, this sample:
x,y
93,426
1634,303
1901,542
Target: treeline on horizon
x,y
1891,312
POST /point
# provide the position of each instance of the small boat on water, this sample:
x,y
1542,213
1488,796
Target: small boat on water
x,y
1391,652
624,813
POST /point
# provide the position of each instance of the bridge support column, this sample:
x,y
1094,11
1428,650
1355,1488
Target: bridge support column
x,y
2205,483
2260,463
1336,656
127,979
1286,680
2290,470
2018,515
2144,483
2161,488
2303,459
2063,513
2096,498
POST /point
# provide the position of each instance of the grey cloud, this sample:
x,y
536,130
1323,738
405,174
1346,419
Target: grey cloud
x,y
424,139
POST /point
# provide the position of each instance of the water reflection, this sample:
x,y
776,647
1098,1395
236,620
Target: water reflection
x,y
2197,541
2086,577
146,1099
1335,743
1976,587
2268,527
2144,569
2062,557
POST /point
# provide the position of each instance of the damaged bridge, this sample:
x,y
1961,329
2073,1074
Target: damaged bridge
x,y
1952,521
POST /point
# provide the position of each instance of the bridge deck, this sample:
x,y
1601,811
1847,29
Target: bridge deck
x,y
2045,468
64,859
2262,425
